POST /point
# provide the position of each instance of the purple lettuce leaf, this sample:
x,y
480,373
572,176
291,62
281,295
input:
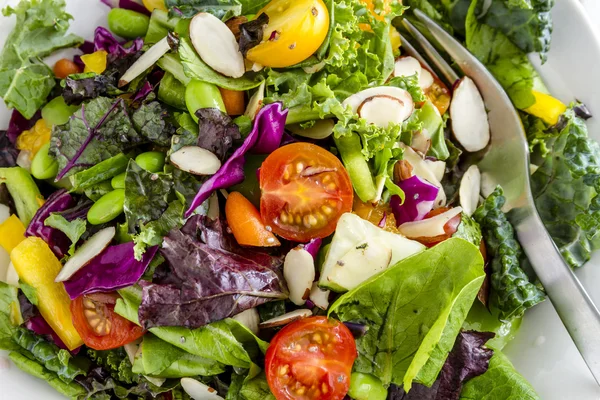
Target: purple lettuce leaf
x,y
18,123
114,268
57,241
208,280
8,151
104,40
468,359
132,5
265,138
420,197
217,131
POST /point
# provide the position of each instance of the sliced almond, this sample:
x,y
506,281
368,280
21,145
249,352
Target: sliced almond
x,y
421,142
256,102
319,296
468,115
322,129
382,105
249,318
407,66
86,253
147,60
198,390
382,110
429,227
299,273
216,45
470,186
425,79
196,160
286,318
438,168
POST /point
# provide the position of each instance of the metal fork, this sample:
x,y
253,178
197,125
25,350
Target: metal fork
x,y
506,163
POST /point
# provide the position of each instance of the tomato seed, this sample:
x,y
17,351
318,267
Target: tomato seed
x,y
283,370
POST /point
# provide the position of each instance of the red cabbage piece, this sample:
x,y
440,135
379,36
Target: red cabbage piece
x,y
114,268
59,242
19,123
104,40
468,359
265,138
127,4
420,196
313,247
208,280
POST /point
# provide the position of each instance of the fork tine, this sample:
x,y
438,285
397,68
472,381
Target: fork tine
x,y
435,57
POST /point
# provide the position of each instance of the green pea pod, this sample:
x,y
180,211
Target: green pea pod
x,y
100,172
57,112
95,192
172,92
200,94
43,166
107,208
118,182
151,161
350,149
127,23
366,387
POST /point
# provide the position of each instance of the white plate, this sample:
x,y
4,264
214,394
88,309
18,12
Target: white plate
x,y
543,351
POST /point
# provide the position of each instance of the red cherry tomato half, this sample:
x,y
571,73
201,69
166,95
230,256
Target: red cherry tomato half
x,y
311,359
304,191
449,229
99,326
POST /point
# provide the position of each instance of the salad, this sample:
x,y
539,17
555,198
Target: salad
x,y
271,199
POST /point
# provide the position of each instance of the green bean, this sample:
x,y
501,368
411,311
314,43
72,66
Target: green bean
x,y
350,149
151,161
43,165
200,94
95,192
100,172
172,92
107,208
57,112
366,387
118,182
128,24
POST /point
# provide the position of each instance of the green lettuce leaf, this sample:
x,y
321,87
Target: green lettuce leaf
x,y
10,315
253,386
566,186
469,230
411,331
511,291
25,81
73,229
500,382
223,9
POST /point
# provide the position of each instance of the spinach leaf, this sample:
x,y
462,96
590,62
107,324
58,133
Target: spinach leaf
x,y
509,64
500,382
100,130
566,187
25,81
195,68
511,292
411,330
145,195
154,122
49,355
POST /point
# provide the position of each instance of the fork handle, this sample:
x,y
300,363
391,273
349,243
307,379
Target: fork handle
x,y
570,299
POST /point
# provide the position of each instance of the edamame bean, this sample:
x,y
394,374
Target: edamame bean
x,y
128,24
118,182
43,165
57,112
200,94
366,387
107,208
151,161
172,92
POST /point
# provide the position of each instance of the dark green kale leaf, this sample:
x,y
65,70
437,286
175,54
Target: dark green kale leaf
x,y
566,186
25,81
154,122
99,130
511,291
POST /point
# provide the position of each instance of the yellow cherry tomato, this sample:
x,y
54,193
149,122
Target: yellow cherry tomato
x,y
295,31
95,62
546,107
153,4
33,139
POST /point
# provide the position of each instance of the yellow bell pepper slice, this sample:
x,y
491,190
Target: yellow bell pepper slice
x,y
37,266
546,107
12,232
395,39
95,62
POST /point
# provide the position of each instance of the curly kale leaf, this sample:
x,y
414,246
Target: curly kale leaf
x,y
115,362
154,122
100,130
566,187
511,291
25,81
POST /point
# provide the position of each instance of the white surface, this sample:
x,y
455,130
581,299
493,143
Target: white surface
x,y
543,351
